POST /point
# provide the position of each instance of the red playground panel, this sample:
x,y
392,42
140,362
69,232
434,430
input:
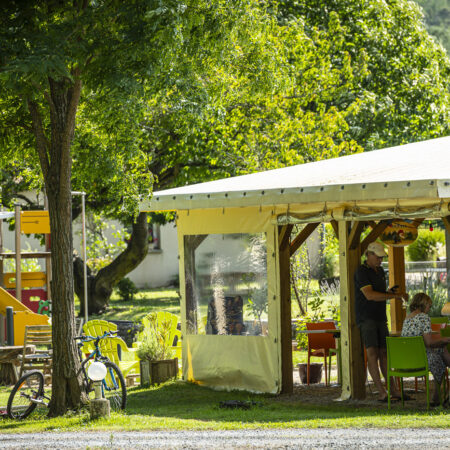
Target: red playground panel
x,y
31,297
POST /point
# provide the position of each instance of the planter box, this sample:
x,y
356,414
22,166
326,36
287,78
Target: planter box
x,y
155,372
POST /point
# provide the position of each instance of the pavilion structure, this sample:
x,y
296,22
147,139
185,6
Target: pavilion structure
x,y
235,244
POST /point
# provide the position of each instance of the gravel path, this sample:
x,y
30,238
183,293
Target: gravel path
x,y
240,439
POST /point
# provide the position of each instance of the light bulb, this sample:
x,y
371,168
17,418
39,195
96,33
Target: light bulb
x,y
97,371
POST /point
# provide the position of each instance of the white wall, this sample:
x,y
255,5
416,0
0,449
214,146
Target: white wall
x,y
160,267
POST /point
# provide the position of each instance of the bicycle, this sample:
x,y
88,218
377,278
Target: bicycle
x,y
29,392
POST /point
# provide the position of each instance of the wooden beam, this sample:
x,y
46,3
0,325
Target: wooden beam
x,y
396,261
287,381
284,235
372,236
18,254
417,222
446,221
302,236
353,373
355,235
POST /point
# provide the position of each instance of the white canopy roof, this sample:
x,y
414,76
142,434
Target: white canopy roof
x,y
420,169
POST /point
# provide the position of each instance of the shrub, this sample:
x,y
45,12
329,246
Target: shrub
x,y
427,246
126,289
317,312
154,340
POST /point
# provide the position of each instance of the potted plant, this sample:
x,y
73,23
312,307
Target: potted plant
x,y
155,352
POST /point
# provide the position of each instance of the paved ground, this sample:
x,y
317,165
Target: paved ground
x,y
243,439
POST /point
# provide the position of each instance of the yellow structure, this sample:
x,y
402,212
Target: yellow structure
x,y
22,315
35,222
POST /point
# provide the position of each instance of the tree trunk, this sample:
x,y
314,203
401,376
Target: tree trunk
x,y
55,160
100,286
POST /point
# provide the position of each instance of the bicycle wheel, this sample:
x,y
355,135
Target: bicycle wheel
x,y
26,394
114,387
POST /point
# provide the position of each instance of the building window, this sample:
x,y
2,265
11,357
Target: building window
x,y
154,237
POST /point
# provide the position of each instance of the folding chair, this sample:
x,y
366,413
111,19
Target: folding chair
x,y
39,336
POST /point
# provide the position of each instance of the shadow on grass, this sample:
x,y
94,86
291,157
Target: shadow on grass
x,y
188,401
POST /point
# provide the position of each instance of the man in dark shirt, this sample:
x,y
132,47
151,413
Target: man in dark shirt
x,y
370,309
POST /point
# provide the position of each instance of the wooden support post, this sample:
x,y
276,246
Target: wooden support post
x,y
396,258
446,221
48,259
18,255
287,382
2,283
353,374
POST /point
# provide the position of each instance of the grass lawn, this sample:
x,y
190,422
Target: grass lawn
x,y
184,406
145,301
180,405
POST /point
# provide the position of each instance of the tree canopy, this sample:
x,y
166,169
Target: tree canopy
x,y
115,98
358,75
100,62
437,20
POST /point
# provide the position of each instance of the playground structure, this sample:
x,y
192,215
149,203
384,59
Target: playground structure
x,y
28,293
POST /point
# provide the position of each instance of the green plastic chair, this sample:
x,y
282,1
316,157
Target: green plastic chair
x,y
406,357
128,361
445,332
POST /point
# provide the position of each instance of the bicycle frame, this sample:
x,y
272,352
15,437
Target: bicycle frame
x,y
96,355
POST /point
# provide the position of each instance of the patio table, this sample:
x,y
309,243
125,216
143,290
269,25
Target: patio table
x,y
9,360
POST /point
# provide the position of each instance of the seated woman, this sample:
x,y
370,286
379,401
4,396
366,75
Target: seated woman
x,y
418,323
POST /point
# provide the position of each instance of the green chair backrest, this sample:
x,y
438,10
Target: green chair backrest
x,y
445,332
407,354
97,327
108,347
440,319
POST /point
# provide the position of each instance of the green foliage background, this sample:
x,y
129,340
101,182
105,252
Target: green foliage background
x,y
437,20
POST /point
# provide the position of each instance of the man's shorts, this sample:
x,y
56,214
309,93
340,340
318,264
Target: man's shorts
x,y
373,334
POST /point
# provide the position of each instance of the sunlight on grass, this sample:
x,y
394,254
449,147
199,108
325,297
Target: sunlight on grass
x,y
145,301
184,406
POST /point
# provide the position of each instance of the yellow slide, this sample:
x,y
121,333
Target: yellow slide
x,y
23,316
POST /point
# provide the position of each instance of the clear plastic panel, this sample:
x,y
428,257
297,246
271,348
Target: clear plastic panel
x,y
226,284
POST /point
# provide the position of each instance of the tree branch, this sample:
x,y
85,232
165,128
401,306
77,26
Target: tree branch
x,y
41,140
46,96
69,126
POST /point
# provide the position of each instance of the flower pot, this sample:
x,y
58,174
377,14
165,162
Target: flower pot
x,y
315,372
156,372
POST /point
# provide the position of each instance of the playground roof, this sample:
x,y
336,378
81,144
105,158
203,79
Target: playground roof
x,y
417,170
